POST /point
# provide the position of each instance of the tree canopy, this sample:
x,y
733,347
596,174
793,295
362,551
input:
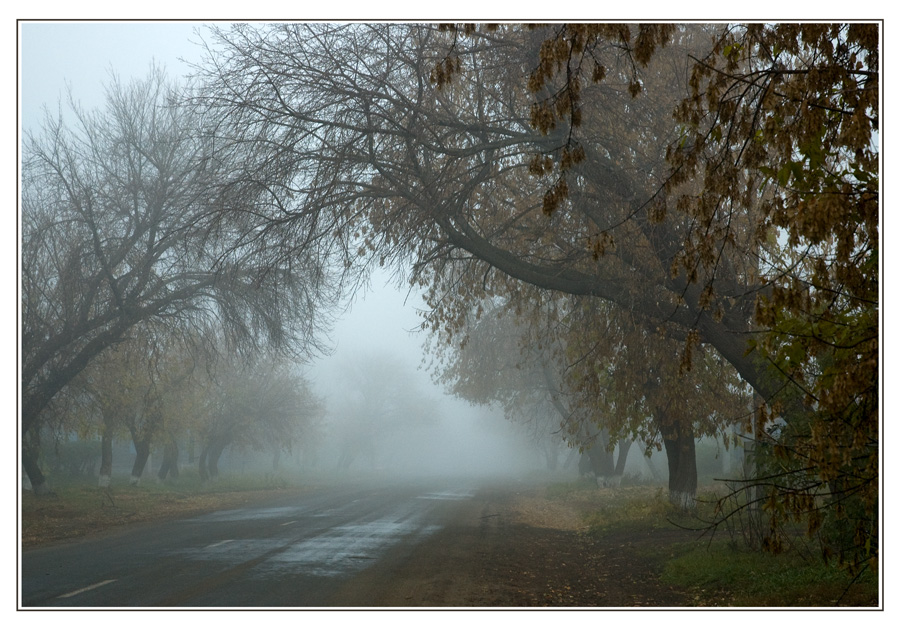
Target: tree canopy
x,y
686,213
744,225
122,225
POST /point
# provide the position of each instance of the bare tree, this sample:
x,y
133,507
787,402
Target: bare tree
x,y
674,221
121,225
455,178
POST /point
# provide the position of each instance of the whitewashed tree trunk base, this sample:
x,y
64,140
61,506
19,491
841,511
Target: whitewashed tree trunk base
x,y
684,501
613,481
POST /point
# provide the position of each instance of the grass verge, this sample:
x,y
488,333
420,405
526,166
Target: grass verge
x,y
721,575
717,571
78,508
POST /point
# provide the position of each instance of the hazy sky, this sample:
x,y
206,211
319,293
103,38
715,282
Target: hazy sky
x,y
82,55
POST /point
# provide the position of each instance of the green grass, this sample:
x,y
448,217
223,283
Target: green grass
x,y
724,575
720,571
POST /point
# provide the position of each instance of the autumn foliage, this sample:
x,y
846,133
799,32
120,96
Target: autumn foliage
x,y
793,109
671,201
774,180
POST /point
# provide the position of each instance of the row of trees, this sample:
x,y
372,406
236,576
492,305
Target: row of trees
x,y
664,266
544,166
612,396
129,260
158,393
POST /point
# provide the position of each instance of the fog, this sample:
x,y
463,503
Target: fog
x,y
411,426
192,312
377,332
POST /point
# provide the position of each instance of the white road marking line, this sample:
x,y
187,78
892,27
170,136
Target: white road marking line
x,y
221,542
288,523
86,588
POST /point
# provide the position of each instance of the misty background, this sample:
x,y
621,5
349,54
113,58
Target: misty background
x,y
378,329
361,403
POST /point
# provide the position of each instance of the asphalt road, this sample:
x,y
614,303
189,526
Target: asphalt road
x,y
297,553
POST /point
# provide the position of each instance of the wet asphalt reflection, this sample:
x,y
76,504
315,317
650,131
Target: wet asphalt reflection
x,y
296,553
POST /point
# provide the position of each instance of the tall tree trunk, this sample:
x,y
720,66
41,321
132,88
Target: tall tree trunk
x,y
624,447
106,456
212,462
169,466
204,471
31,451
603,462
142,454
680,451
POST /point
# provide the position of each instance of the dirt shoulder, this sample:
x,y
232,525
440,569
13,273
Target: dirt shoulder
x,y
91,511
516,548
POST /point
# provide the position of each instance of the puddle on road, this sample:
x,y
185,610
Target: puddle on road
x,y
448,495
234,552
343,549
247,514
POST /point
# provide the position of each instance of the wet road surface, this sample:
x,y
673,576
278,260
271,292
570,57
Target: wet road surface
x,y
298,552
